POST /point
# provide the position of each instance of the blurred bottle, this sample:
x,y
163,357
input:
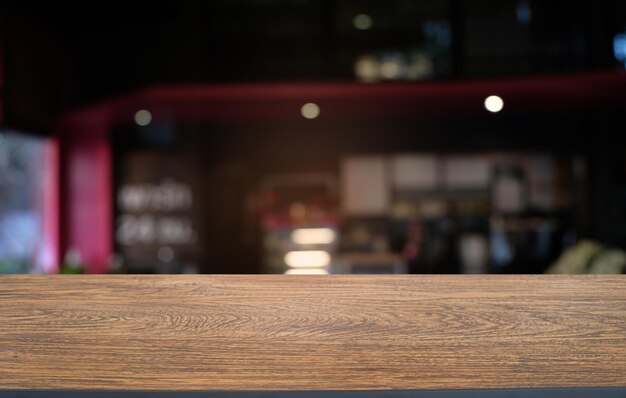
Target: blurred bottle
x,y
472,244
412,250
473,253
72,263
508,195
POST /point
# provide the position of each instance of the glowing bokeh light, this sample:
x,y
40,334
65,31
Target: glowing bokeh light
x,y
494,104
143,117
313,236
306,271
362,21
310,110
307,259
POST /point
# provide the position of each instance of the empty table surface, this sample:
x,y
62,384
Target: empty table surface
x,y
271,332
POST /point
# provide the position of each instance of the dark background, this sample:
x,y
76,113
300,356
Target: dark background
x,y
63,54
60,56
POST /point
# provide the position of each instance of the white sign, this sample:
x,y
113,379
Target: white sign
x,y
148,229
167,196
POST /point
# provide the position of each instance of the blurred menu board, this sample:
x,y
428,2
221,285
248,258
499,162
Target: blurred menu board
x,y
157,212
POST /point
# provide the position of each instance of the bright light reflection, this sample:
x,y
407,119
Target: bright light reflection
x,y
143,117
306,271
493,103
310,110
313,236
307,259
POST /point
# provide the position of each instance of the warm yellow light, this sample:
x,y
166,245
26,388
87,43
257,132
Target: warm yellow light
x,y
494,104
390,69
313,236
310,110
306,271
362,21
143,117
307,259
367,68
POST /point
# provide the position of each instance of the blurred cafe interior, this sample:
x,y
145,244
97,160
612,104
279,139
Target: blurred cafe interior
x,y
313,136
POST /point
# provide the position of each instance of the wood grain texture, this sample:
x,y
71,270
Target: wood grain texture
x,y
311,333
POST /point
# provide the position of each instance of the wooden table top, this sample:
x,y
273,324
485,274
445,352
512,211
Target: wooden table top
x,y
311,333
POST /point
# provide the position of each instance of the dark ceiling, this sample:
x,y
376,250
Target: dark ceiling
x,y
63,54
